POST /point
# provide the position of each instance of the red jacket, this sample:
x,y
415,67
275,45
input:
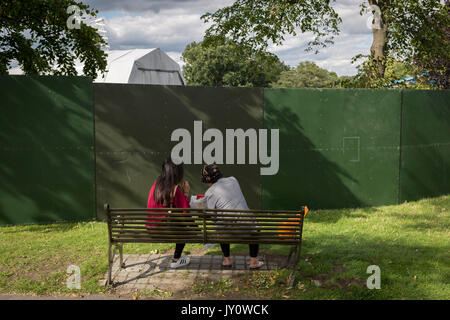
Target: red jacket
x,y
179,201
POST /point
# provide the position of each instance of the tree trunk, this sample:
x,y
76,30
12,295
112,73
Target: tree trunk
x,y
378,48
378,51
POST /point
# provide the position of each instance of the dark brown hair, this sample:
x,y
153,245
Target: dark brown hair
x,y
171,175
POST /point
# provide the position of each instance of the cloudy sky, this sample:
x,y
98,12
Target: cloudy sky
x,y
172,24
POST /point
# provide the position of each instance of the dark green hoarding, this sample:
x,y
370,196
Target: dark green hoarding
x,y
425,158
338,148
134,125
46,149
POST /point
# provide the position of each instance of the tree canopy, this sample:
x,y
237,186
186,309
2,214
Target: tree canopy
x,y
395,70
229,64
437,65
402,29
36,35
307,75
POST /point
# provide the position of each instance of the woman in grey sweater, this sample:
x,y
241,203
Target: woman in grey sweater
x,y
225,193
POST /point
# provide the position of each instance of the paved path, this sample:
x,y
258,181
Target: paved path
x,y
144,272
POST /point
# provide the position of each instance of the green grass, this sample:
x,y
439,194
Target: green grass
x,y
409,242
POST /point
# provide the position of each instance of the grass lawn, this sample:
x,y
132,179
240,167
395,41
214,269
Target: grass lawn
x,y
409,242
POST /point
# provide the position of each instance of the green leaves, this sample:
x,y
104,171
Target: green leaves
x,y
395,70
415,30
225,63
260,22
307,75
35,34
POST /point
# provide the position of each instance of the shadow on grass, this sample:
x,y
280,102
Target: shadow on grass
x,y
412,271
43,228
335,267
333,216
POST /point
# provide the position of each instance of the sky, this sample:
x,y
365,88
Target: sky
x,y
172,24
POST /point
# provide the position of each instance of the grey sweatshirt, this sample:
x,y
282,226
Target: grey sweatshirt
x,y
226,194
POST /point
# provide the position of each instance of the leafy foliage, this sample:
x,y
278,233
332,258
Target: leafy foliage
x,y
415,30
395,70
229,64
307,75
437,63
259,22
35,34
409,30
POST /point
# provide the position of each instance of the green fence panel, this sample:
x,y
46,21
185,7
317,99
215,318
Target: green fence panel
x,y
46,149
338,148
425,158
134,124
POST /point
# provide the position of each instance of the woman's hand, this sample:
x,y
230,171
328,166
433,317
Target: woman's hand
x,y
186,188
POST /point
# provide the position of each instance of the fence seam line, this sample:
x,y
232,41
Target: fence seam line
x,y
400,149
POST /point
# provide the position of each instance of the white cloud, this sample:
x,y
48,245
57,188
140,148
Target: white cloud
x,y
177,57
355,38
172,24
168,31
143,7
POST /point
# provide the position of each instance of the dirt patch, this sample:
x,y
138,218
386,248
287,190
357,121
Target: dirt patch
x,y
276,261
339,268
326,281
346,283
329,281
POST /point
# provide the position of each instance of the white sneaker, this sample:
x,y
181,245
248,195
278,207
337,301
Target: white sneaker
x,y
183,261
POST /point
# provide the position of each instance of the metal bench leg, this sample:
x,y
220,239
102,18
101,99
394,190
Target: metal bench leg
x,y
108,280
122,265
111,254
290,255
294,268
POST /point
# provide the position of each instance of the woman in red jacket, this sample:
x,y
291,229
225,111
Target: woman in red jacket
x,y
166,193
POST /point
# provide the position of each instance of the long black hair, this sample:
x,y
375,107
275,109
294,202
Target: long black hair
x,y
171,175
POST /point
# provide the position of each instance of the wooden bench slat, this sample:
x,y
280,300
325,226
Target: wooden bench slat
x,y
207,216
208,224
126,210
209,228
211,237
212,232
120,219
199,240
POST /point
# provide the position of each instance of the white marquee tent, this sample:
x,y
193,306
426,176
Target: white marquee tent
x,y
144,66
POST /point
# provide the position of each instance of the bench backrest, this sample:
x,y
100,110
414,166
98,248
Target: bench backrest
x,y
188,225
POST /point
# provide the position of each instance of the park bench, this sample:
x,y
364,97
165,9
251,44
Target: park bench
x,y
189,225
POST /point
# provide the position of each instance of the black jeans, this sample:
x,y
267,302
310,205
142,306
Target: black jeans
x,y
254,248
178,250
